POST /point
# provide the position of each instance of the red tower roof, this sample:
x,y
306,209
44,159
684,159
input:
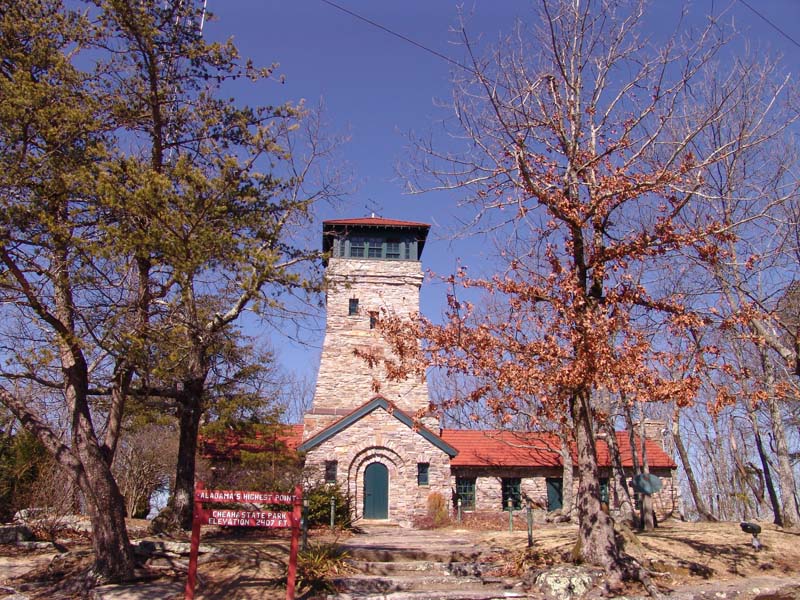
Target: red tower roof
x,y
374,221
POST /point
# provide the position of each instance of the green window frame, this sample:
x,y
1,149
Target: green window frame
x,y
375,248
358,247
394,250
511,488
604,490
423,471
465,491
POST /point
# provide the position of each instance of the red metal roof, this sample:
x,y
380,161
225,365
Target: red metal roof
x,y
488,448
376,221
493,448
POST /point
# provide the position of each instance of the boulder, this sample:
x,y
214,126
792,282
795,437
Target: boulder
x,y
567,582
11,534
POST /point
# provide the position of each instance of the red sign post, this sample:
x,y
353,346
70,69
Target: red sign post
x,y
245,518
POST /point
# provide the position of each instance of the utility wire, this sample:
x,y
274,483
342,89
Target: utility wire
x,y
771,24
400,35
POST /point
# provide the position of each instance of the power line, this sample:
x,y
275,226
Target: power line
x,y
400,36
771,24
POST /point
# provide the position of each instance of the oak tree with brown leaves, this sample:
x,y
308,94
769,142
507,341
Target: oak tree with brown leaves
x,y
580,145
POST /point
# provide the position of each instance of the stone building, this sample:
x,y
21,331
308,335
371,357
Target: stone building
x,y
370,444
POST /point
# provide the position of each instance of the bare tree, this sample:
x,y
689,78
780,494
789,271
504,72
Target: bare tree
x,y
580,143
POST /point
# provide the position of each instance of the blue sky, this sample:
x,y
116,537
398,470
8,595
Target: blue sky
x,y
376,88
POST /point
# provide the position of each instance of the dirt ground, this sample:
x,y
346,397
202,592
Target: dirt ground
x,y
250,564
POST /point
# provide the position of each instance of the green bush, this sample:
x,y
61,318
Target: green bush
x,y
23,459
319,506
318,565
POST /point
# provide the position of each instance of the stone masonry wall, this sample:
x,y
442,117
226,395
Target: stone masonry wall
x,y
380,437
489,491
345,381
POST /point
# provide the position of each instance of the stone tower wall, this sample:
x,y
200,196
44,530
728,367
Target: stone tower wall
x,y
345,381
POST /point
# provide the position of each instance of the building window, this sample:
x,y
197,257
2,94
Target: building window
x,y
330,471
358,247
352,308
465,491
375,249
511,492
422,473
373,320
604,490
393,250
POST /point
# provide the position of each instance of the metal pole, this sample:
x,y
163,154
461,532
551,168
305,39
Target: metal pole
x,y
530,526
459,510
510,516
333,510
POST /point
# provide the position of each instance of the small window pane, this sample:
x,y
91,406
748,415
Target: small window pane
x,y
393,250
465,491
352,308
357,247
375,249
511,492
330,471
422,473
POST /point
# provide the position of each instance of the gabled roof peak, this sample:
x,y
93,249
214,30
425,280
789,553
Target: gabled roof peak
x,y
365,409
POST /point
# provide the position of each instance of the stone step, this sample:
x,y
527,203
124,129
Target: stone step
x,y
392,553
403,582
369,585
449,594
390,567
461,569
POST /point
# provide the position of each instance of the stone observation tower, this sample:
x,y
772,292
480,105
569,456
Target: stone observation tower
x,y
374,266
369,443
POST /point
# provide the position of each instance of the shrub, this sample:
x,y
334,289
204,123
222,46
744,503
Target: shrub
x,y
319,506
23,461
437,510
318,565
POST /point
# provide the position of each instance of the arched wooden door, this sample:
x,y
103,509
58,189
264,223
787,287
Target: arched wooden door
x,y
376,491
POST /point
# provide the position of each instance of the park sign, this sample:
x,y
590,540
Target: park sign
x,y
234,517
204,495
246,518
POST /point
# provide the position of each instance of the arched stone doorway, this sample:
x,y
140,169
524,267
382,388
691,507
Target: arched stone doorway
x,y
376,491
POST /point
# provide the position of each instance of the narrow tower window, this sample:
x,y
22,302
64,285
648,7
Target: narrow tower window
x,y
352,308
373,320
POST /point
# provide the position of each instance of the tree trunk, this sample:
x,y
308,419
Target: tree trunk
x,y
699,503
634,456
790,519
568,502
85,462
790,516
178,512
648,514
597,541
622,494
114,559
762,455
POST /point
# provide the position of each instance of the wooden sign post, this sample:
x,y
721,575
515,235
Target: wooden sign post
x,y
245,518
